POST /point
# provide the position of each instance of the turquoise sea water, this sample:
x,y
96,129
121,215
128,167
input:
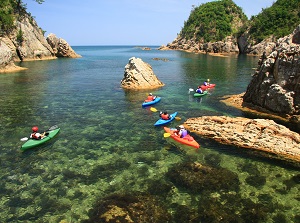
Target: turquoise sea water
x,y
108,143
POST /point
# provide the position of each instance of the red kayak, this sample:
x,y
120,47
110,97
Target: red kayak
x,y
187,140
205,87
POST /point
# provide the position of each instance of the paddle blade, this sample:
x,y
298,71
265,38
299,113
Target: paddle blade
x,y
24,139
153,109
167,134
177,118
53,127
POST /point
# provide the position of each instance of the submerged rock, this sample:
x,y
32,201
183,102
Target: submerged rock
x,y
139,75
259,134
128,209
199,177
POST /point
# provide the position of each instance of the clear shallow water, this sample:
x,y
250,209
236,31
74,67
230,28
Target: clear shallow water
x,y
108,143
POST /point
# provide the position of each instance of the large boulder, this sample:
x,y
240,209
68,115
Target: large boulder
x,y
60,47
139,75
258,134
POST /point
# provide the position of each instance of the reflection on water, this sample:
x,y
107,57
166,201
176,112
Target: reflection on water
x,y
108,143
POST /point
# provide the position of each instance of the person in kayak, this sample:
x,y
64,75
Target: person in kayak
x,y
199,90
206,83
150,97
35,134
181,131
164,115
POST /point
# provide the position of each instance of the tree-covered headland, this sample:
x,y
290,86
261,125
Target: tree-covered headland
x,y
215,20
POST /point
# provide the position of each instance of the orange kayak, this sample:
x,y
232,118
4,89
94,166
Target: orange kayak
x,y
187,140
205,87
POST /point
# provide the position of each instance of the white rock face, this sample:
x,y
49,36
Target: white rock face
x,y
139,75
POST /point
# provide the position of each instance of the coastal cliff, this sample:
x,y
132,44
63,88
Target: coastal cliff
x,y
26,42
221,27
275,83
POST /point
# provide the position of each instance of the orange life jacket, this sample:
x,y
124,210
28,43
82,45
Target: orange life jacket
x,y
165,117
150,98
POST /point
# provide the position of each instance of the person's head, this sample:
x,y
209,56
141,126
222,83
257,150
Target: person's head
x,y
34,128
181,127
150,94
165,112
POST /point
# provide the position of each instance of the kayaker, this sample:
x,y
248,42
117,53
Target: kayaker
x,y
199,90
181,131
150,97
164,115
35,134
206,83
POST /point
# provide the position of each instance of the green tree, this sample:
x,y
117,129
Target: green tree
x,y
212,21
278,20
6,16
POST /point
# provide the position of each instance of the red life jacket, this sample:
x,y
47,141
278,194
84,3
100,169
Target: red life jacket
x,y
150,98
165,117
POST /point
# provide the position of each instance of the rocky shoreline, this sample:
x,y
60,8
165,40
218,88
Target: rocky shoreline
x,y
265,135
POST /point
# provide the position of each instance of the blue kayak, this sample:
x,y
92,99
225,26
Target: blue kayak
x,y
156,100
163,121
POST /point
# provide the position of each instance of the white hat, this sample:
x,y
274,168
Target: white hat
x,y
181,126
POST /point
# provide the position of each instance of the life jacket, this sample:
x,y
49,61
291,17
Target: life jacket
x,y
150,98
199,90
165,117
183,133
35,136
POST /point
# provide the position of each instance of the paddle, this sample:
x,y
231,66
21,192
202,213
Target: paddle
x,y
167,134
153,109
45,133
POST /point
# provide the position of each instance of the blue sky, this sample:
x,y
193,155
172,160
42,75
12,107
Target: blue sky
x,y
121,22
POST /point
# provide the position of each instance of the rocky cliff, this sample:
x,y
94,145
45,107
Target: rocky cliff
x,y
27,42
275,85
139,75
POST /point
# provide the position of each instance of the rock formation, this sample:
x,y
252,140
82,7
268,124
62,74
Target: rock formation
x,y
259,134
275,84
229,45
139,75
60,47
27,42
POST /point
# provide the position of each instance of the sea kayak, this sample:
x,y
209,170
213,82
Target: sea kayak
x,y
163,121
147,103
205,87
200,95
187,140
30,143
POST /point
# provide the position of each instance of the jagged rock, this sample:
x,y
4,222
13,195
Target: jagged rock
x,y
229,45
296,35
139,75
60,47
27,42
32,45
275,84
259,134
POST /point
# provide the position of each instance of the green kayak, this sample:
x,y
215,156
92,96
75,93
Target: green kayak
x,y
200,95
34,142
